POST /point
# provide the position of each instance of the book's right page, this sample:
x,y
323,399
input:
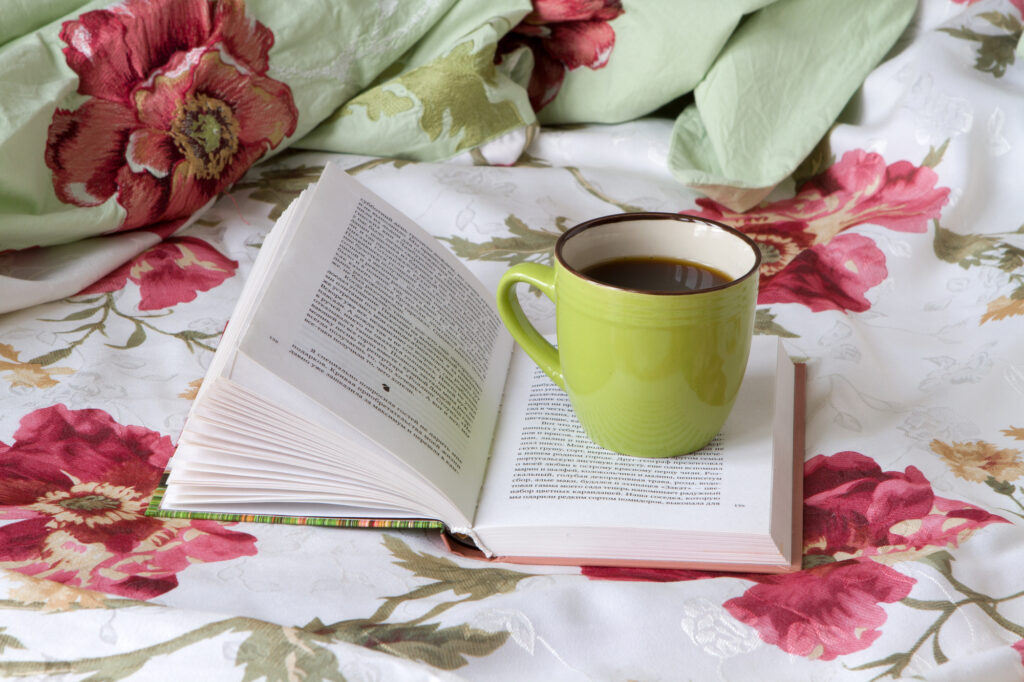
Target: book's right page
x,y
550,491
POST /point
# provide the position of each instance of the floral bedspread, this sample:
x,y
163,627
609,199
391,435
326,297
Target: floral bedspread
x,y
893,263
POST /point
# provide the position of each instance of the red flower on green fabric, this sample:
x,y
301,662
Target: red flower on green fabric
x,y
171,272
562,35
179,107
858,520
75,485
806,258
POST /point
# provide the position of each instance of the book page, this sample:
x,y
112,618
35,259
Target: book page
x,y
369,316
545,472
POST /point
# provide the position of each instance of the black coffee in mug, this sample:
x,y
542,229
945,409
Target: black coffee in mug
x,y
655,273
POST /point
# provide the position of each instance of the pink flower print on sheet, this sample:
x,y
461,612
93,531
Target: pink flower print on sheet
x,y
854,509
824,612
833,276
858,520
172,272
806,257
179,107
74,486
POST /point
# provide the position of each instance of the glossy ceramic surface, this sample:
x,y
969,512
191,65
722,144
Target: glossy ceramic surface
x,y
649,374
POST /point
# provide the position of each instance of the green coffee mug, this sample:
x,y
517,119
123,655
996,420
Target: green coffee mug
x,y
649,372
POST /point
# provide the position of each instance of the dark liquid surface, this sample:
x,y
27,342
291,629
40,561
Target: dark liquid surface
x,y
654,273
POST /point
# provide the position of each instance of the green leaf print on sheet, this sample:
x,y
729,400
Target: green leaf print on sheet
x,y
299,652
304,656
475,583
995,52
8,642
895,665
172,272
446,647
104,310
525,245
1003,251
764,323
279,185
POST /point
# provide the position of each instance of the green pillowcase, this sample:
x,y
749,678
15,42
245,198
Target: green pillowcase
x,y
777,88
115,117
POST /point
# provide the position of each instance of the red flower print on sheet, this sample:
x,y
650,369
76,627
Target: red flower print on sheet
x,y
562,35
806,257
833,276
854,509
858,520
823,612
179,107
171,272
76,484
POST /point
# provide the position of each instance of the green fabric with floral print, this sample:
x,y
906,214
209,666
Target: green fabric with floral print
x,y
443,97
137,115
680,41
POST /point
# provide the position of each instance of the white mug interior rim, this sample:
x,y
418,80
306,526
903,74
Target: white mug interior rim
x,y
665,235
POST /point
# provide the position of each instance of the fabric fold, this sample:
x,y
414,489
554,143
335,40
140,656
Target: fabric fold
x,y
96,139
774,92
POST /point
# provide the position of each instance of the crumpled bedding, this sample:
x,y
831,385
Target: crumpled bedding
x,y
893,265
136,116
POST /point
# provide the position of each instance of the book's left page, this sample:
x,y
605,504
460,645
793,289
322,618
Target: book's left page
x,y
365,332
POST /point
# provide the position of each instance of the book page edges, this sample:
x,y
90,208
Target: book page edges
x,y
461,549
155,509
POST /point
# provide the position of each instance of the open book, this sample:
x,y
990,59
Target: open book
x,y
365,374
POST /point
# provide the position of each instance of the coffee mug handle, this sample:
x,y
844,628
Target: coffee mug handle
x,y
535,345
